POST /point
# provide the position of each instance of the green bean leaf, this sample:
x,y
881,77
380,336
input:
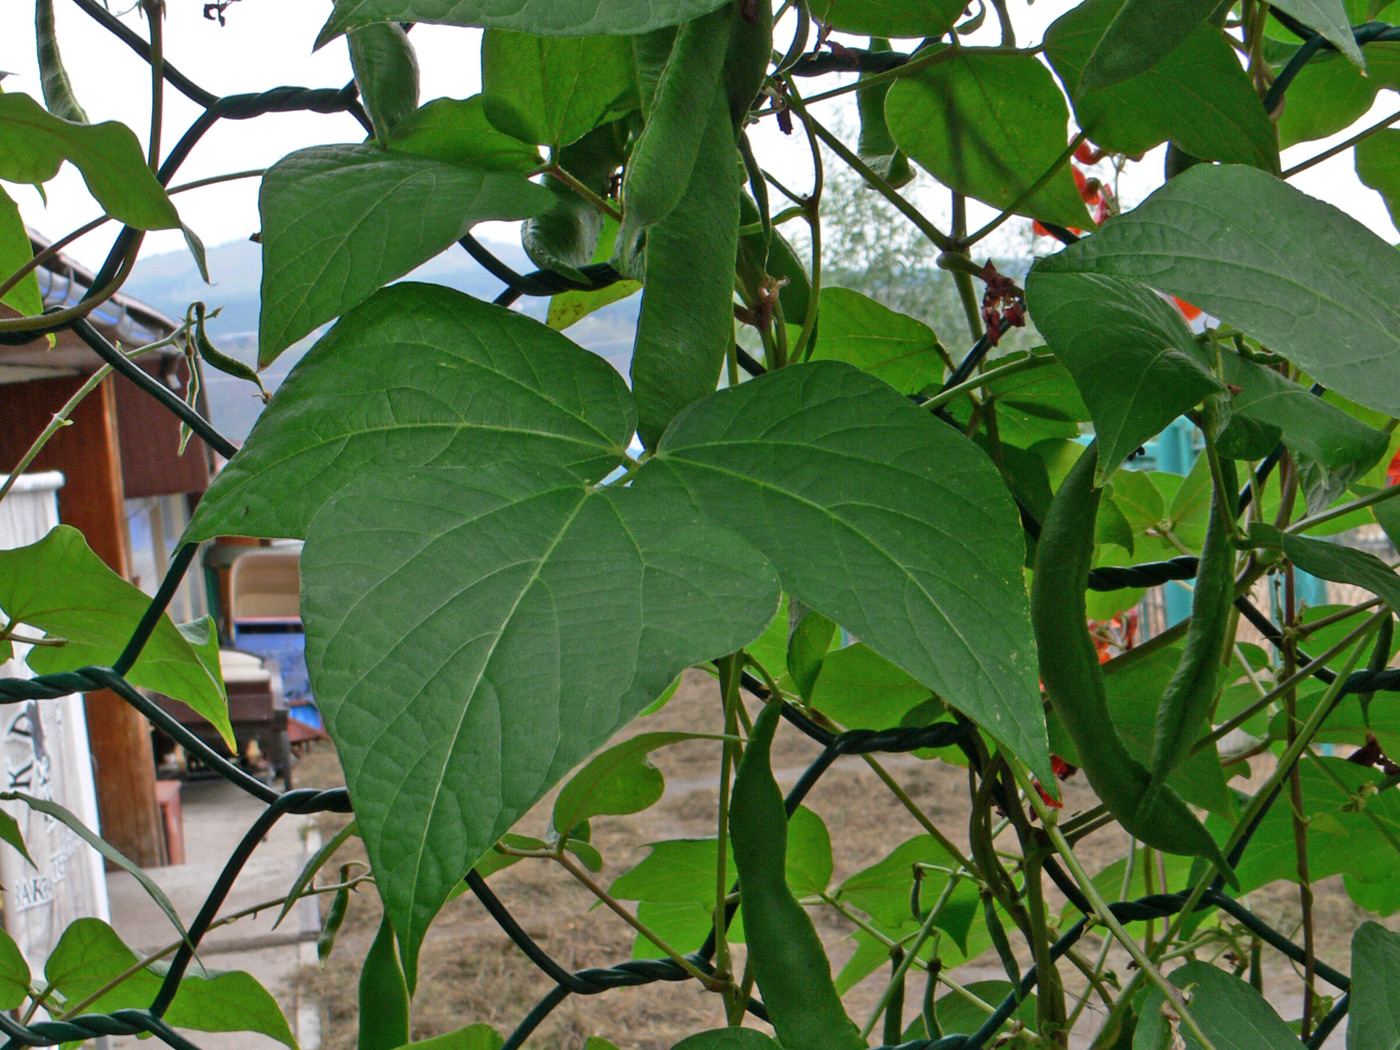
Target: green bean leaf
x,y
59,586
34,144
990,126
864,495
553,90
9,832
860,689
1232,1015
545,17
1342,840
1330,93
883,890
1378,166
16,250
1331,19
1198,96
930,18
1139,37
564,610
341,221
674,871
1135,362
479,1036
620,780
1244,247
495,386
89,955
1374,1020
901,350
457,131
1332,561
14,973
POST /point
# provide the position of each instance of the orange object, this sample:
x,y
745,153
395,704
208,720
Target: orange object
x,y
1187,310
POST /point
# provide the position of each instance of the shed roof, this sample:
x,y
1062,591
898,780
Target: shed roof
x,y
62,282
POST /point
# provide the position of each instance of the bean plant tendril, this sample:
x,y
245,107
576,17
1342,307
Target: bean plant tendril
x,y
708,246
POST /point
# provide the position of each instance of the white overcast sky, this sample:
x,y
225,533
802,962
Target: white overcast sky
x,y
268,42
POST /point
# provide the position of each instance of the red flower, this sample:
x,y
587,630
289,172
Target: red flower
x,y
1053,803
1087,154
1392,472
1187,310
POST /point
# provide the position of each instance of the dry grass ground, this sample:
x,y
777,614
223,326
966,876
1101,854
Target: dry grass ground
x,y
471,972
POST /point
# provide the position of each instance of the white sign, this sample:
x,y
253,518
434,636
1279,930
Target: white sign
x,y
44,753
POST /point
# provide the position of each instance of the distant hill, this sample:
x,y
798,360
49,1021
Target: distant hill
x,y
170,282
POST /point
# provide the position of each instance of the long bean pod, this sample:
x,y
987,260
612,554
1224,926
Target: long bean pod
x,y
665,154
53,77
1190,695
1073,678
789,964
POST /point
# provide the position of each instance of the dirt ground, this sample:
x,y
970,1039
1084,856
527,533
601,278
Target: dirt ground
x,y
470,971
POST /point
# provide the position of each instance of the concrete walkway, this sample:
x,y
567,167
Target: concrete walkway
x,y
216,816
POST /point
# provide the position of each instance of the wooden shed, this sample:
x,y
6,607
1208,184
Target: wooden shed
x,y
128,490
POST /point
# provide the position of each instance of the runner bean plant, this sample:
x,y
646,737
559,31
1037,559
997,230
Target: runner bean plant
x,y
880,537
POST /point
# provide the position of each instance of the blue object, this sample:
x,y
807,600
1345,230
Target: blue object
x,y
285,641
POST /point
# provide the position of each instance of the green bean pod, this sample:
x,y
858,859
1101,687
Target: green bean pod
x,y
876,146
664,155
746,61
383,995
53,77
1073,678
386,73
1190,695
335,916
686,322
789,964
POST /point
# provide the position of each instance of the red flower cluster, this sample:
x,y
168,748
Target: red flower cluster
x,y
1003,299
1094,193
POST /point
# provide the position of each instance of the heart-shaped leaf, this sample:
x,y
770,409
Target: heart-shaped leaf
x,y
1249,249
1198,96
34,144
1141,35
457,131
338,222
901,350
1232,1015
90,956
856,495
620,780
471,382
15,251
552,90
990,126
61,587
473,633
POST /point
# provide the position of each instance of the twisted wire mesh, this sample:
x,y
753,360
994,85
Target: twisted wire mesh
x,y
589,981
